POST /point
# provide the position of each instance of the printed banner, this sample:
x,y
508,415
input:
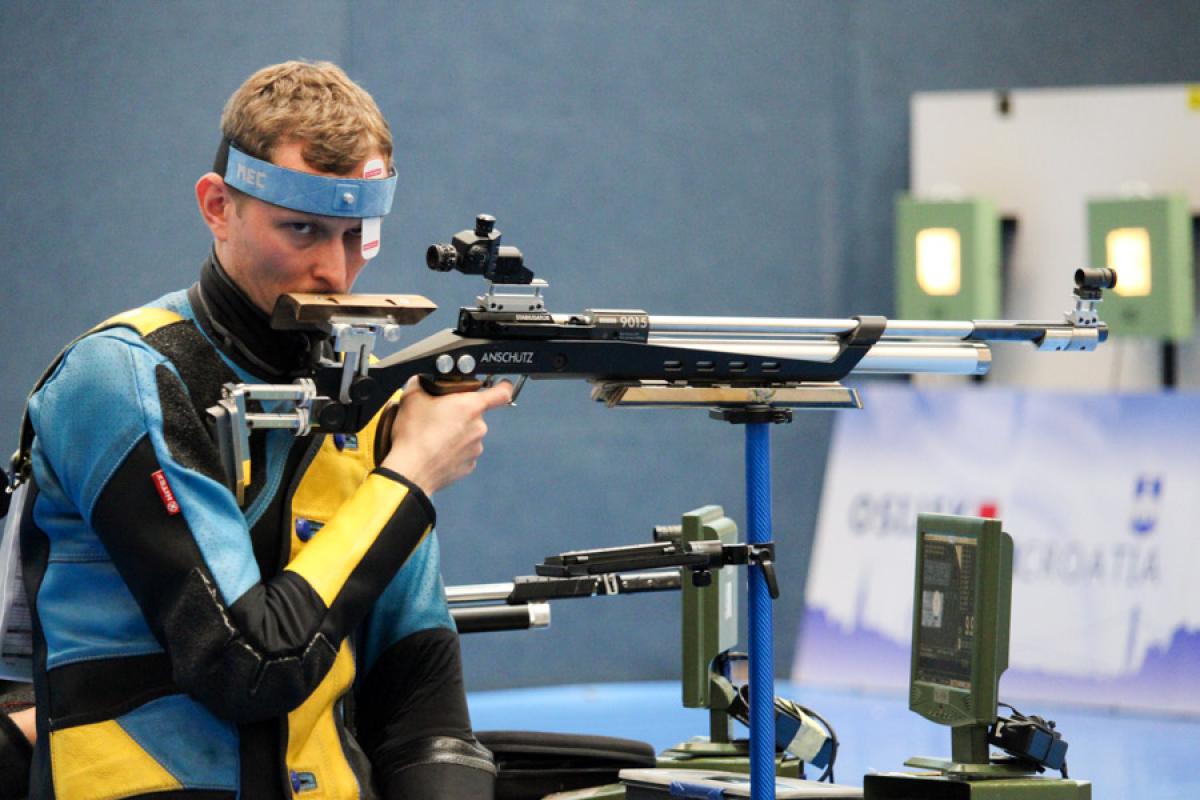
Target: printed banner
x,y
1101,494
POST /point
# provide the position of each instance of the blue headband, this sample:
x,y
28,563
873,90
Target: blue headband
x,y
303,191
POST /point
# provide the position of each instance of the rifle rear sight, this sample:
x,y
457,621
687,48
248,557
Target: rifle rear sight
x,y
478,252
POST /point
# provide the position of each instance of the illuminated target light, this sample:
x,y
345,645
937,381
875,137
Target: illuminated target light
x,y
939,261
1148,241
1128,252
947,259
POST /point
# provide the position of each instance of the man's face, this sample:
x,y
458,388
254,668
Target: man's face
x,y
269,250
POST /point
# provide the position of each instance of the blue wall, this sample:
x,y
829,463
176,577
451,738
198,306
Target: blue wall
x,y
682,157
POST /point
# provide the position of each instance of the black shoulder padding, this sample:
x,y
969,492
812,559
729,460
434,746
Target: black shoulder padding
x,y
203,373
200,367
185,434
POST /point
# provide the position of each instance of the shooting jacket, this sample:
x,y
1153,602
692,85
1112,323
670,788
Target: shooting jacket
x,y
188,646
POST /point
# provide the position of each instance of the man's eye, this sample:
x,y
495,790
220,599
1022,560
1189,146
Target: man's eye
x,y
300,227
355,231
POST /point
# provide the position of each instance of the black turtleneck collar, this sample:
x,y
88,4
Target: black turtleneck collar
x,y
242,330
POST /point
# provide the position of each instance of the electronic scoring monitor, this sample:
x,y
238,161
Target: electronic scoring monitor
x,y
961,606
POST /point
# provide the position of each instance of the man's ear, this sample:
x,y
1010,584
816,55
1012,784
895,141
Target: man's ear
x,y
216,203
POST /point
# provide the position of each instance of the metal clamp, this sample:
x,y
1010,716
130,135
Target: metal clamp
x,y
514,297
1085,314
355,341
760,555
234,421
1084,320
1076,339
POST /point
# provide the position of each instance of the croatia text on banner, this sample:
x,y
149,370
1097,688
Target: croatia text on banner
x,y
1101,494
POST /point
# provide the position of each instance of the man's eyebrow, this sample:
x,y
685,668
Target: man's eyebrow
x,y
292,214
318,222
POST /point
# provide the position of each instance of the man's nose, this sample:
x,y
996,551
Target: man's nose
x,y
332,267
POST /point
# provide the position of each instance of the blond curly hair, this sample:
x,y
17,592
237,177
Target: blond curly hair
x,y
315,103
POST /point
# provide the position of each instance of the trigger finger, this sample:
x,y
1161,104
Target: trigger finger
x,y
498,395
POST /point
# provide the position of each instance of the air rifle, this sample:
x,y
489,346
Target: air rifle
x,y
631,357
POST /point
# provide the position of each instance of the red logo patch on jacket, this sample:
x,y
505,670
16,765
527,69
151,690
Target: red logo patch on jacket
x,y
164,491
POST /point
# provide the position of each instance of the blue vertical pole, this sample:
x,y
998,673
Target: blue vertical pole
x,y
762,657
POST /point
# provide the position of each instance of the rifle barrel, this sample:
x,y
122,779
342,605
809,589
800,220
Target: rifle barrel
x,y
805,328
801,326
485,619
750,325
478,592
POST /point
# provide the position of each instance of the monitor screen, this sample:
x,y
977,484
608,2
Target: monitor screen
x,y
962,591
945,641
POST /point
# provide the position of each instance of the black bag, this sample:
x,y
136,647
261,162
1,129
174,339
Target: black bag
x,y
532,765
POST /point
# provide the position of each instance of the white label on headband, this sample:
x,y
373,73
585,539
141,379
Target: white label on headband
x,y
371,225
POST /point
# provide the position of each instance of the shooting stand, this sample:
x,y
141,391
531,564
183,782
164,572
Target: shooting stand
x,y
747,407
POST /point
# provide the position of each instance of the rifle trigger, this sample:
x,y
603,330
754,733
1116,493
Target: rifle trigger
x,y
517,387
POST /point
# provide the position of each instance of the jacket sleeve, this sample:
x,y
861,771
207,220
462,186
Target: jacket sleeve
x,y
116,428
411,706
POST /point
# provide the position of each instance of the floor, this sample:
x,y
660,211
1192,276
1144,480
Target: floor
x,y
1124,756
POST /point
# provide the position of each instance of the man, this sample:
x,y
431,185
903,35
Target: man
x,y
188,646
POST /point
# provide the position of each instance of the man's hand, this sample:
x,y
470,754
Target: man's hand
x,y
24,720
437,440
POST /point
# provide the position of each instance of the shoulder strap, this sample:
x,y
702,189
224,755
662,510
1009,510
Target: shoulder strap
x,y
144,321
